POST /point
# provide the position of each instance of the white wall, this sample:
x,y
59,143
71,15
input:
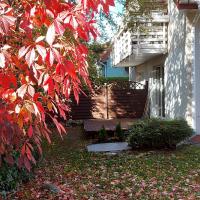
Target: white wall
x,y
196,76
178,65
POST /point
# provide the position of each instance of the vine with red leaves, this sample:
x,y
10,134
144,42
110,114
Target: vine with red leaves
x,y
43,59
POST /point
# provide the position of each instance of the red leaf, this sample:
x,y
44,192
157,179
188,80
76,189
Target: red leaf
x,y
83,49
30,131
76,95
58,68
57,125
22,90
36,111
50,57
28,153
23,150
111,2
36,95
38,143
23,51
69,67
10,19
59,27
41,109
39,39
6,21
42,51
50,86
56,54
31,90
105,8
2,60
27,164
82,34
50,36
41,76
30,57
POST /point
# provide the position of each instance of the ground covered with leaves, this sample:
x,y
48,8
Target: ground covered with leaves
x,y
77,174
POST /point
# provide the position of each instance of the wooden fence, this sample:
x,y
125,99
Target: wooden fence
x,y
121,99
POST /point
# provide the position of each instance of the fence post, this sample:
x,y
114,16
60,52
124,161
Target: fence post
x,y
107,110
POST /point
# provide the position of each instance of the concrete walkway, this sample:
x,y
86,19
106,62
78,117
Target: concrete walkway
x,y
108,147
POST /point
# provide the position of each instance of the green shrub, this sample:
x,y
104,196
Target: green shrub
x,y
157,133
119,132
102,135
11,176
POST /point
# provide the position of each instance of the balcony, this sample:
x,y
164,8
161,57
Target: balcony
x,y
132,49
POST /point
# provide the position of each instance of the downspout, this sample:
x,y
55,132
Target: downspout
x,y
132,74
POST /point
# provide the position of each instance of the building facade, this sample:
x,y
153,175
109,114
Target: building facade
x,y
168,56
107,69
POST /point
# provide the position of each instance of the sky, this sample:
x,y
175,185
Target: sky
x,y
105,27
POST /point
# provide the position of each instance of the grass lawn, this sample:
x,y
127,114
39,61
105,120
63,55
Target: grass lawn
x,y
130,175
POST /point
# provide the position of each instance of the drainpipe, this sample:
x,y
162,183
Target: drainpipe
x,y
132,75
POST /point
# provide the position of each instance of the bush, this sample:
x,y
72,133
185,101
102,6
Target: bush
x,y
11,175
157,133
119,132
102,135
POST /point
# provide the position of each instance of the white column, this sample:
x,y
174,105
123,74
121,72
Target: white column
x,y
196,79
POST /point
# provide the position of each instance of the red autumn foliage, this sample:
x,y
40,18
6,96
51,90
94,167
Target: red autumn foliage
x,y
42,60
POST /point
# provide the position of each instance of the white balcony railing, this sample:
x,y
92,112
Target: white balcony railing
x,y
131,49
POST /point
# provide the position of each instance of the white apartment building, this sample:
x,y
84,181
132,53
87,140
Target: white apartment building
x,y
167,55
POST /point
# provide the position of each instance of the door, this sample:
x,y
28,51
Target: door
x,y
159,93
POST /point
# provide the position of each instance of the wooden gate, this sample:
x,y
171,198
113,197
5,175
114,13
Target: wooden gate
x,y
119,99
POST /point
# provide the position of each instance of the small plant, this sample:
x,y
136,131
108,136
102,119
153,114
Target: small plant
x,y
102,135
11,176
158,134
119,132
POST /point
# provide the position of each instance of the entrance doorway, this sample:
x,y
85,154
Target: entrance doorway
x,y
159,93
